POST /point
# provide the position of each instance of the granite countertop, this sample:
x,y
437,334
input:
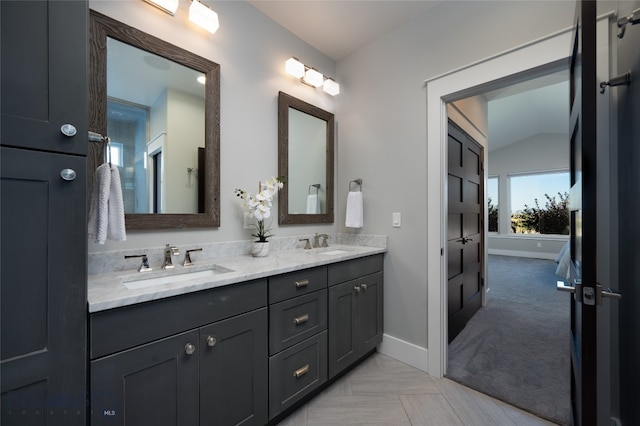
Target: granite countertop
x,y
108,290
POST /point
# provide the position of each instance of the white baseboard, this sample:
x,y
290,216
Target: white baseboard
x,y
405,352
532,254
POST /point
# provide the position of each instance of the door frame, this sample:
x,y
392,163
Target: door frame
x,y
538,57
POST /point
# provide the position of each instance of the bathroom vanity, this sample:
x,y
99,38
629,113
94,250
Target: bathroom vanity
x,y
245,346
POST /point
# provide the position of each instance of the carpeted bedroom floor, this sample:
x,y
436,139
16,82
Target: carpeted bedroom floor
x,y
517,347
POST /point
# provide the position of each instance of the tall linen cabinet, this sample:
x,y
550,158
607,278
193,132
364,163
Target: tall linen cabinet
x,y
43,212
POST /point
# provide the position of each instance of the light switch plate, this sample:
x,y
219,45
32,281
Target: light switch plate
x,y
248,221
396,220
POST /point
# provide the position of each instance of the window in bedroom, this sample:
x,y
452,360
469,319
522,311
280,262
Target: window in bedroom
x,y
493,203
540,203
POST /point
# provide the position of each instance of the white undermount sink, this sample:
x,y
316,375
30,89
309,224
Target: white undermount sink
x,y
334,252
134,283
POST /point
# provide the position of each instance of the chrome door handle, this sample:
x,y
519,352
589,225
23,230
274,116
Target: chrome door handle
x,y
561,286
590,295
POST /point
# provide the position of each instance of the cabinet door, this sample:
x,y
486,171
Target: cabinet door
x,y
343,326
154,384
234,371
44,74
370,312
42,288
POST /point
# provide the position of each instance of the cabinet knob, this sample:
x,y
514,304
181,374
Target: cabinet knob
x,y
189,348
69,130
68,174
357,289
211,341
364,287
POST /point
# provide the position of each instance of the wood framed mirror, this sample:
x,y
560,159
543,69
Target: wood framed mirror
x,y
165,137
305,161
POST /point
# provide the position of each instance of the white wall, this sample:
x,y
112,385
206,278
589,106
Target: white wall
x,y
251,50
381,115
185,133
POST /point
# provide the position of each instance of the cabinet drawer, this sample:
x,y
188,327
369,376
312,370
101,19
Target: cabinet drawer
x,y
297,371
352,269
292,284
117,329
296,319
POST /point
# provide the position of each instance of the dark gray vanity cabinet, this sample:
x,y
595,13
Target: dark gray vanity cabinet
x,y
297,336
212,372
355,310
43,212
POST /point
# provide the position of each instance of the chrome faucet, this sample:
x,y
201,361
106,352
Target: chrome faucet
x,y
316,240
144,266
187,257
169,251
325,237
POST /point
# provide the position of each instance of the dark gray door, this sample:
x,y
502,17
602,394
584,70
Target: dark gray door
x,y
464,228
43,288
628,106
44,84
234,371
583,92
154,384
343,311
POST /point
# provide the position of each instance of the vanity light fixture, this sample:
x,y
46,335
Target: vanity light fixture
x,y
311,76
200,14
331,87
294,67
168,6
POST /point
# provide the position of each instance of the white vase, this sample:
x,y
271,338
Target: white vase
x,y
260,249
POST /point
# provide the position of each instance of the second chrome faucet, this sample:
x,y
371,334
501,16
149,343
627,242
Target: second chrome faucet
x,y
169,252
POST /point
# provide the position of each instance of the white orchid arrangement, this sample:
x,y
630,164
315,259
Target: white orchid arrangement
x,y
259,207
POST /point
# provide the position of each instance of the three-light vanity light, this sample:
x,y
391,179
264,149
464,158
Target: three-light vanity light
x,y
311,76
199,13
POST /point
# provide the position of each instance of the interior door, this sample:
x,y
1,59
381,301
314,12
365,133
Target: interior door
x,y
583,92
628,109
465,190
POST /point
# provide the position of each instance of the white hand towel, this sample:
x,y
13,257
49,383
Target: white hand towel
x,y
116,229
355,216
99,209
106,213
313,204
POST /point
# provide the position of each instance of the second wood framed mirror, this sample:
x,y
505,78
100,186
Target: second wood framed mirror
x,y
305,160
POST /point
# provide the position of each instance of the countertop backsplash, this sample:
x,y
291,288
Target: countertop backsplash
x,y
113,261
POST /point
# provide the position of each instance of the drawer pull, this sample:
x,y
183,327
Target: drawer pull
x,y
301,319
301,371
302,283
364,287
357,289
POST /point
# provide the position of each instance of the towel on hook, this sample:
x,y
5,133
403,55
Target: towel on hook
x,y
355,214
106,212
313,204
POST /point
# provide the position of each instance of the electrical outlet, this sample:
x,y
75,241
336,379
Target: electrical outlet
x,y
539,244
248,221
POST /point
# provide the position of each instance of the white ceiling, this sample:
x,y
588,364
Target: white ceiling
x,y
340,27
520,111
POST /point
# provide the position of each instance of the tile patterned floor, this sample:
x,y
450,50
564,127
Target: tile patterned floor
x,y
384,391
